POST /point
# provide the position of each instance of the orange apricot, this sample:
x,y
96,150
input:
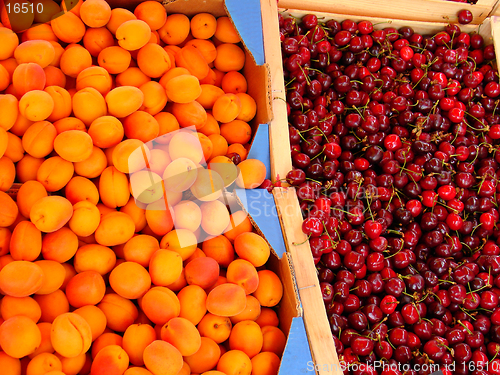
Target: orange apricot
x,y
13,146
120,312
110,360
240,223
9,42
135,340
81,189
19,336
251,312
133,34
183,89
217,328
88,105
138,215
225,109
159,218
93,166
85,288
72,366
226,300
68,27
54,76
55,173
36,105
60,245
160,305
274,340
141,125
235,362
155,98
252,174
159,161
220,249
54,274
247,337
236,131
5,236
9,210
114,59
137,371
237,148
113,188
96,39
181,241
95,13
229,57
132,76
252,247
106,339
215,217
162,358
10,111
119,16
206,358
95,77
26,306
165,267
69,123
4,78
123,101
182,334
43,363
10,364
140,249
244,274
62,103
270,289
151,12
7,173
192,299
265,363
248,107
203,272
234,82
175,30
74,60
130,280
189,114
209,95
94,257
192,59
21,278
206,48
106,131
28,77
115,228
73,145
95,318
52,305
40,52
153,60
27,168
220,148
267,317
172,73
187,216
45,345
225,31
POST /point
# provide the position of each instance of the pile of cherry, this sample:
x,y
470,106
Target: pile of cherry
x,y
394,141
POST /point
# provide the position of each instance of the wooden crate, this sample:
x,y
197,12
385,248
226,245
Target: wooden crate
x,y
315,318
413,10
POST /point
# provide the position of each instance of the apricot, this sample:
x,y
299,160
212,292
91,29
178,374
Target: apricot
x,y
180,174
74,60
252,247
187,215
70,335
54,76
72,366
85,288
189,114
115,228
183,89
248,107
160,305
208,186
175,30
106,339
119,16
106,131
202,272
120,312
251,312
247,337
217,328
26,306
10,111
7,173
274,340
209,95
237,148
244,274
73,145
135,339
205,358
140,249
155,99
220,249
114,59
165,267
95,318
26,241
226,300
215,217
55,173
19,336
181,241
68,27
10,364
88,105
159,217
137,371
39,138
235,362
226,32
113,188
52,305
9,210
206,48
5,236
133,34
93,166
270,289
132,76
96,39
40,52
43,363
110,360
252,174
21,278
141,125
162,358
172,73
69,123
13,146
267,317
182,334
151,12
240,223
9,42
54,274
36,105
236,131
62,103
95,13
4,141
81,189
153,60
225,109
192,299
45,345
125,100
185,145
159,161
130,280
94,257
60,245
4,78
229,57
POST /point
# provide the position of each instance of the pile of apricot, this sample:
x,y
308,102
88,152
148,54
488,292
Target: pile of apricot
x,y
118,254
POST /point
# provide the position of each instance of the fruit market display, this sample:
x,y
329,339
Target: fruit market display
x,y
394,142
118,254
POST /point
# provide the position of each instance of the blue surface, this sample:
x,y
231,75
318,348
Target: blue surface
x,y
297,356
247,18
260,148
259,204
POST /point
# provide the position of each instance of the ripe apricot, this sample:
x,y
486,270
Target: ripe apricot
x,y
151,12
5,235
226,300
123,101
95,318
140,249
111,360
172,73
9,42
225,109
106,131
113,188
202,272
62,103
217,328
132,76
40,52
267,317
119,16
229,57
51,213
251,312
28,77
248,107
43,363
93,166
114,59
14,147
225,31
247,337
220,148
205,358
236,131
54,76
203,25
160,305
4,78
95,13
159,161
26,306
220,249
19,336
10,111
235,362
88,105
138,215
95,77
270,289
133,34
69,123
52,305
215,217
141,125
74,60
96,39
115,228
252,247
120,312
165,267
240,223
71,335
36,105
209,95
175,30
162,358
73,145
189,114
137,371
234,82
187,215
9,210
85,288
72,366
7,173
237,148
153,60
106,339
45,345
54,274
159,218
252,174
180,174
94,257
244,274
206,48
55,173
81,189
68,27
181,241
182,334
191,58
60,245
130,280
155,99
10,364
183,89
135,339
274,340
192,299
186,145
